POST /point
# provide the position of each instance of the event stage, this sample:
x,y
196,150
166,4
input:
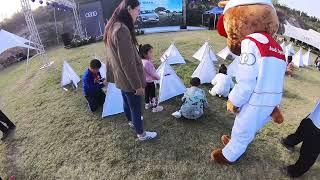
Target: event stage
x,y
171,29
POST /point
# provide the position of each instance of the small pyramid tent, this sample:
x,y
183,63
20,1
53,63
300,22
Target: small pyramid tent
x,y
283,45
69,75
9,40
113,103
307,59
297,59
201,53
170,84
289,50
172,55
205,70
226,54
232,68
103,70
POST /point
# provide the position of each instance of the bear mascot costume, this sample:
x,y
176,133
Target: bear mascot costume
x,y
249,26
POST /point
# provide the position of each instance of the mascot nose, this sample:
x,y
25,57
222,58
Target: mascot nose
x,y
220,27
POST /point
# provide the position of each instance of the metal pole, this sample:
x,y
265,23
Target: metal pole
x,y
215,18
55,23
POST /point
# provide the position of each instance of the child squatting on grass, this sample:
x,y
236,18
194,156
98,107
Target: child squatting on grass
x,y
146,53
193,102
222,83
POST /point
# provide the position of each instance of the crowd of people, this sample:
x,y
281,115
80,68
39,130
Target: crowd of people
x,y
133,72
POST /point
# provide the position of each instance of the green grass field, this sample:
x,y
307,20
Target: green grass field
x,y
58,138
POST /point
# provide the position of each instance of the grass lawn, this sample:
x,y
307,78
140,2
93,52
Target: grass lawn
x,y
58,138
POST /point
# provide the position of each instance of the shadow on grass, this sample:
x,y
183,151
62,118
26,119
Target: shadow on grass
x,y
291,95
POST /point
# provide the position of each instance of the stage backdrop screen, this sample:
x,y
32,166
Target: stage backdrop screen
x,y
91,15
155,13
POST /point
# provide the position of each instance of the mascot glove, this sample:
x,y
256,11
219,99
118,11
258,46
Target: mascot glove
x,y
231,108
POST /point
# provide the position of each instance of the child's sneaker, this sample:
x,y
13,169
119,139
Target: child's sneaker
x,y
147,106
157,109
147,136
177,114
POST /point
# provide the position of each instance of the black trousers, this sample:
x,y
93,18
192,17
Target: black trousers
x,y
309,135
150,92
96,100
5,120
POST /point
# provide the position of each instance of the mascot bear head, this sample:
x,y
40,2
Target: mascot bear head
x,y
245,17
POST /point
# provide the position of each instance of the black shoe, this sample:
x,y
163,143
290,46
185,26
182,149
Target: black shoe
x,y
4,136
289,147
12,128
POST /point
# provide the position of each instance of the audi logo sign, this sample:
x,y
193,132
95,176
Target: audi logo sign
x,y
91,14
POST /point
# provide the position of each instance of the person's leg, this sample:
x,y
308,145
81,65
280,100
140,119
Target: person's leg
x,y
309,151
126,107
296,138
101,96
5,119
92,103
247,123
134,103
3,128
147,93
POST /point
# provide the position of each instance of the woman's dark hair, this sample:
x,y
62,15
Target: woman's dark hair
x,y
195,82
289,59
144,49
121,14
95,64
223,69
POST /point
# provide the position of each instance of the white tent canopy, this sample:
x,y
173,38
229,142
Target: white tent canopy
x,y
103,70
9,40
297,59
226,54
69,75
201,53
170,84
309,37
205,70
307,59
113,103
172,55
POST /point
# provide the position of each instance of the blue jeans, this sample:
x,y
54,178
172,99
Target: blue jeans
x,y
132,109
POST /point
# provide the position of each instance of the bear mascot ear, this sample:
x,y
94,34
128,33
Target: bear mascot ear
x,y
220,26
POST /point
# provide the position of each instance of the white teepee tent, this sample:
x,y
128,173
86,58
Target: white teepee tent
x,y
289,50
69,75
172,55
170,84
307,59
103,70
201,53
232,68
113,103
205,70
226,54
297,59
283,45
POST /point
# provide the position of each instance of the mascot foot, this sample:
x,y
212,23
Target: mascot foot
x,y
225,139
218,157
277,116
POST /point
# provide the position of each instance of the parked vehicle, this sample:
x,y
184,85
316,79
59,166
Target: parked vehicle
x,y
148,17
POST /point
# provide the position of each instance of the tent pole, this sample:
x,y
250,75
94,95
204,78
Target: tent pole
x,y
215,19
55,23
202,19
28,54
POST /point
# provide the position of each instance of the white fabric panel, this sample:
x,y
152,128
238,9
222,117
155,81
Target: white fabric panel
x,y
297,59
9,40
199,55
307,59
113,103
103,70
232,68
315,115
69,75
205,70
172,56
170,84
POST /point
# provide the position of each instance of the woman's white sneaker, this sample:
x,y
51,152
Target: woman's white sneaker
x,y
147,136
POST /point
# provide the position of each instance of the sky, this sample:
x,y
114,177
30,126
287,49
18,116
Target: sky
x,y
311,7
